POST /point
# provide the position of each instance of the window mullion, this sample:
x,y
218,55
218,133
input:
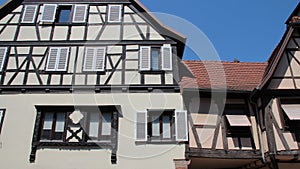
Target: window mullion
x,y
100,127
53,126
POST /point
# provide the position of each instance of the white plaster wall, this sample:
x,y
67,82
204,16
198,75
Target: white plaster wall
x,y
19,125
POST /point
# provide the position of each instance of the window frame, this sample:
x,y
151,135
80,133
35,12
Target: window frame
x,y
58,55
109,13
289,125
53,127
238,132
58,13
160,61
2,119
6,50
95,57
34,14
160,138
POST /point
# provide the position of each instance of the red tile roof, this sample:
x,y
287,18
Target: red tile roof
x,y
243,76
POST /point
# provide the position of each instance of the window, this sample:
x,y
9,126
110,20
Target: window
x,y
64,14
290,109
114,13
29,14
238,126
94,59
3,55
57,59
155,58
161,125
99,126
53,125
2,113
81,125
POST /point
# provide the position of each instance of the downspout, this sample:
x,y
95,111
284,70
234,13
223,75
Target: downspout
x,y
258,126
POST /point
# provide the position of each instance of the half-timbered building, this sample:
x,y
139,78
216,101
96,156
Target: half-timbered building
x,y
278,98
223,125
89,84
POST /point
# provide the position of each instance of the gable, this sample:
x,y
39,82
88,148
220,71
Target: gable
x,y
286,66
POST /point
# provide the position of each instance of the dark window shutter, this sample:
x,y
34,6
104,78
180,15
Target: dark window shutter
x,y
141,126
100,59
80,13
166,58
145,52
63,59
88,59
181,126
49,13
29,14
114,13
3,51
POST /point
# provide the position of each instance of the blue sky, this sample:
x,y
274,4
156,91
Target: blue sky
x,y
242,29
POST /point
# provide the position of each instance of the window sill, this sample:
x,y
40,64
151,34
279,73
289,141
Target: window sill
x,y
152,71
75,145
159,142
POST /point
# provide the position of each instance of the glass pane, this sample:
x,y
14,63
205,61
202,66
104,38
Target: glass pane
x,y
58,136
48,121
154,59
64,14
46,135
106,124
60,122
155,126
94,125
166,127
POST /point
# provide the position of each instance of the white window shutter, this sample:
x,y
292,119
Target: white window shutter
x,y
141,126
49,13
181,126
89,59
166,58
29,13
114,13
52,57
3,53
80,13
145,53
99,60
62,61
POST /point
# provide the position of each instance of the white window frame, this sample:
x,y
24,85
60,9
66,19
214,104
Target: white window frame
x,y
85,14
54,13
109,11
94,59
4,58
146,126
34,15
141,60
57,58
163,59
176,125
